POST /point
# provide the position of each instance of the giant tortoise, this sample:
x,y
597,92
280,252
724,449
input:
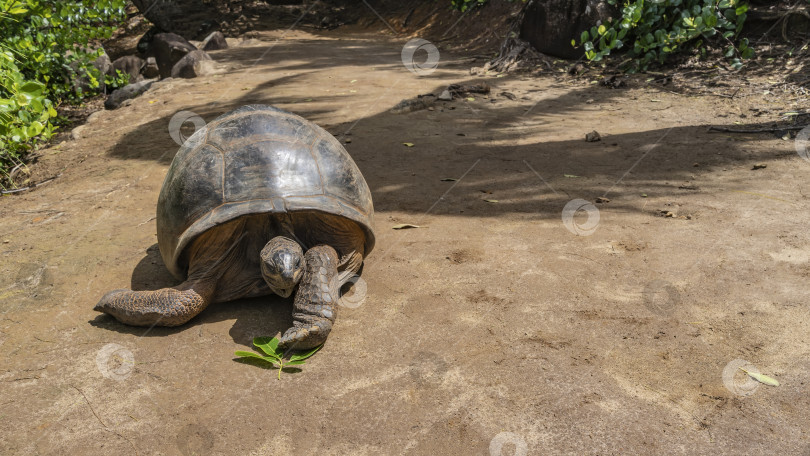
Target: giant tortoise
x,y
243,199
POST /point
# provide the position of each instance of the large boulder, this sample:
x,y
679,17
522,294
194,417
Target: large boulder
x,y
168,49
214,41
550,25
195,63
129,64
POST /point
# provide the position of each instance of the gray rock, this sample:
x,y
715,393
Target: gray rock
x,y
195,63
214,41
168,49
131,65
127,92
94,117
78,132
549,25
446,95
150,68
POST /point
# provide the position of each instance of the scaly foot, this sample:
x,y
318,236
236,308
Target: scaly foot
x,y
315,306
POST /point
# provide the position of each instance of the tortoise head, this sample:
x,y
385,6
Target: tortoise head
x,y
282,263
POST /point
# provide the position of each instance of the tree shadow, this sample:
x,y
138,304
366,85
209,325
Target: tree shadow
x,y
486,140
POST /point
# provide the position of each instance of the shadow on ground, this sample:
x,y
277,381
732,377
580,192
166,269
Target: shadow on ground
x,y
487,140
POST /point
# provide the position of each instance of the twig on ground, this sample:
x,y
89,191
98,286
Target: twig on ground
x,y
18,190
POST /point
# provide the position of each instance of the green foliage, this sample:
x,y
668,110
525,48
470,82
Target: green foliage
x,y
25,112
464,5
45,45
274,355
120,79
652,30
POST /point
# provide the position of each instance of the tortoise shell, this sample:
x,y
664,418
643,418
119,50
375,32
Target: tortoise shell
x,y
256,160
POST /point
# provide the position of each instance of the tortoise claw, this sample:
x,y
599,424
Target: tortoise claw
x,y
305,337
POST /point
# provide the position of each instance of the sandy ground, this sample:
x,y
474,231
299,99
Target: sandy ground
x,y
493,329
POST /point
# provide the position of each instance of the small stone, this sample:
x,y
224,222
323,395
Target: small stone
x,y
688,217
593,136
94,116
122,96
602,200
195,63
446,95
150,69
696,165
348,140
214,41
6,241
760,166
77,132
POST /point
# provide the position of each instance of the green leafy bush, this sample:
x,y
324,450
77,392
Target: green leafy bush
x,y
45,46
653,30
464,5
25,115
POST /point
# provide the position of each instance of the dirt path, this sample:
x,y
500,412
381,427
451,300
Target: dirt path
x,y
492,319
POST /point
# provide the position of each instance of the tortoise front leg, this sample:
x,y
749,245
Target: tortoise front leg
x,y
166,307
315,306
